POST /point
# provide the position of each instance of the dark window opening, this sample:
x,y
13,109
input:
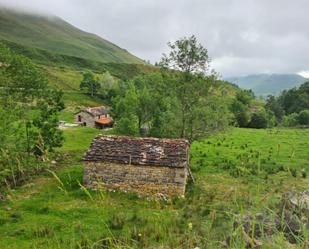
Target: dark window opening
x,y
79,118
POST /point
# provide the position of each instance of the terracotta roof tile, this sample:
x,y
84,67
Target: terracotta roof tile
x,y
104,121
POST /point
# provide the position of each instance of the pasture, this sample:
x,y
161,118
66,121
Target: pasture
x,y
239,171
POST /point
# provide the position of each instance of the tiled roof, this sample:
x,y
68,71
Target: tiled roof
x,y
139,151
104,121
100,110
95,111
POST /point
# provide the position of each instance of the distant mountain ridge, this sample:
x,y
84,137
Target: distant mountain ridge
x,y
266,84
57,36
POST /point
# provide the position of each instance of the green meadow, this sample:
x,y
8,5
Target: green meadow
x,y
239,171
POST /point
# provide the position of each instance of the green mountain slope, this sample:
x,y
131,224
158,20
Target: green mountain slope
x,y
124,71
265,84
57,36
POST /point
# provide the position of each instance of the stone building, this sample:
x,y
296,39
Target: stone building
x,y
147,166
95,117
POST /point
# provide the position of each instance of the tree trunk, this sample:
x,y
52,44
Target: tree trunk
x,y
182,133
139,124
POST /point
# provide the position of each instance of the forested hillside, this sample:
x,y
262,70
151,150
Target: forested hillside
x,y
48,59
291,107
63,53
268,84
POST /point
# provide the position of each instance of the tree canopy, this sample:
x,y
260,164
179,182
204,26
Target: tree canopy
x,y
186,55
28,113
181,101
291,106
90,83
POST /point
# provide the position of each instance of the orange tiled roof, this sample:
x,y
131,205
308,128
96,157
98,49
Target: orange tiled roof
x,y
104,121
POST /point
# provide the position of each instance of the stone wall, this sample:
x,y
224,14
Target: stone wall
x,y
86,118
141,179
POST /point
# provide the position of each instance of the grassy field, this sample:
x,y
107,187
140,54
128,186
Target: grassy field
x,y
68,80
236,172
64,79
76,100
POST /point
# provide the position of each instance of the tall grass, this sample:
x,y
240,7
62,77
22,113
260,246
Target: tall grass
x,y
56,211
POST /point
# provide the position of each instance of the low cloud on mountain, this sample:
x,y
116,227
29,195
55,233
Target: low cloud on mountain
x,y
243,37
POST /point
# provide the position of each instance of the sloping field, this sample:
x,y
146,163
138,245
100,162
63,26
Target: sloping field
x,y
55,211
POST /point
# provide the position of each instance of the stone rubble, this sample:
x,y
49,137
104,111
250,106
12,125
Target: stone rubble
x,y
291,218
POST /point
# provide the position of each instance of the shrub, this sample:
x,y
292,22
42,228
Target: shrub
x,y
241,113
271,118
290,120
127,126
303,117
242,119
258,120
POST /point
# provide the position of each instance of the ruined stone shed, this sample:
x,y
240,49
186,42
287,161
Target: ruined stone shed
x,y
147,166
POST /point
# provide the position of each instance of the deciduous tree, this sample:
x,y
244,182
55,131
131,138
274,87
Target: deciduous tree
x,y
29,112
90,83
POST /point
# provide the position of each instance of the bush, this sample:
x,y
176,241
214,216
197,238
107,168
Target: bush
x,y
241,113
259,120
271,118
303,117
127,126
242,119
290,120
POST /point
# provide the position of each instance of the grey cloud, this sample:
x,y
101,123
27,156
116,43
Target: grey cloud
x,y
242,36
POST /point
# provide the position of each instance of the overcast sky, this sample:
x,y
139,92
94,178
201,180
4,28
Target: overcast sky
x,y
242,36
